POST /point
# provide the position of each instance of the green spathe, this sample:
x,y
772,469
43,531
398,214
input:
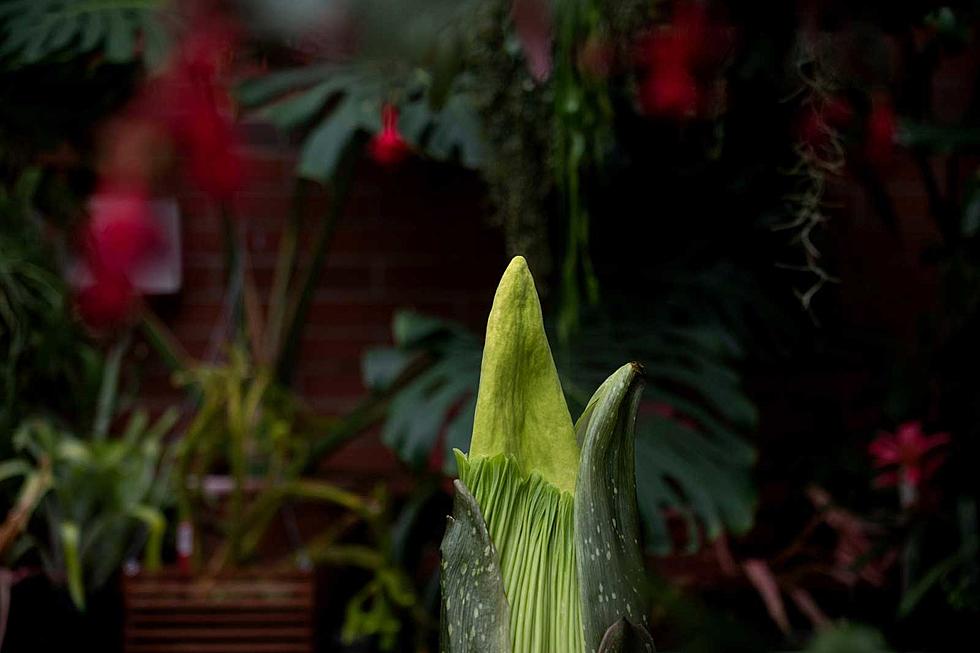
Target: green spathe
x,y
520,407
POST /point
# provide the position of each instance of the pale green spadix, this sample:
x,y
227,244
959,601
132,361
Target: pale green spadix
x,y
520,408
542,553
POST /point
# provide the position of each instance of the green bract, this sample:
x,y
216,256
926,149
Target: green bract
x,y
542,553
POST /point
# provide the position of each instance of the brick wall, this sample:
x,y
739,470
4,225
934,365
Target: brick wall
x,y
412,236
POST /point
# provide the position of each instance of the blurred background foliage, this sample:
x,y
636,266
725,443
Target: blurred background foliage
x,y
672,171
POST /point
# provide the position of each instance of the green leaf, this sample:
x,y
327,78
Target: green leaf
x,y
411,329
69,536
107,391
156,526
848,638
625,637
458,132
419,412
39,29
14,468
120,38
259,90
299,109
475,614
93,32
156,40
607,538
323,149
520,407
381,367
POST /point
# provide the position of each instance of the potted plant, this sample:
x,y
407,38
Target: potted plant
x,y
88,501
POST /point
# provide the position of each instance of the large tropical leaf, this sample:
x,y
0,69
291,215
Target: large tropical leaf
x,y
435,410
122,30
692,458
332,104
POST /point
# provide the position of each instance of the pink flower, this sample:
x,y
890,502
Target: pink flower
x,y
904,457
388,147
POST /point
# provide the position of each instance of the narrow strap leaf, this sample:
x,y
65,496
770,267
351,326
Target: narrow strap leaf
x,y
73,562
475,614
625,637
607,540
107,390
156,525
13,468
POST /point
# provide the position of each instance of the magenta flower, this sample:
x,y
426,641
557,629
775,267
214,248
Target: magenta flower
x,y
388,147
907,457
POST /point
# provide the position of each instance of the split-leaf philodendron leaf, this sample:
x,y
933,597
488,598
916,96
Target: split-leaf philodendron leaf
x,y
544,539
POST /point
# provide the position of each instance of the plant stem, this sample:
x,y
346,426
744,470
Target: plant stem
x,y
300,303
286,263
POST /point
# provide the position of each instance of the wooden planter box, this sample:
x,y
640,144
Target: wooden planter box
x,y
245,612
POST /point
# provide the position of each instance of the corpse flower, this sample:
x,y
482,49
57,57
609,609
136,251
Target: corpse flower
x,y
542,552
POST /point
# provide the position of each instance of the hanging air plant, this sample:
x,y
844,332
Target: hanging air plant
x,y
542,553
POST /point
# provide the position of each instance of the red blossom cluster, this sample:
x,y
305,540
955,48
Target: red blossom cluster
x,y
908,456
184,110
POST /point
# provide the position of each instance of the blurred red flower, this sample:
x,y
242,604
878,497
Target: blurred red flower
x,y
120,235
121,231
670,54
882,126
388,147
673,92
202,124
904,456
108,301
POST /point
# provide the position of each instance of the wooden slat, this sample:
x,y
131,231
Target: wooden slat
x,y
209,604
297,617
219,633
218,648
253,613
222,589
